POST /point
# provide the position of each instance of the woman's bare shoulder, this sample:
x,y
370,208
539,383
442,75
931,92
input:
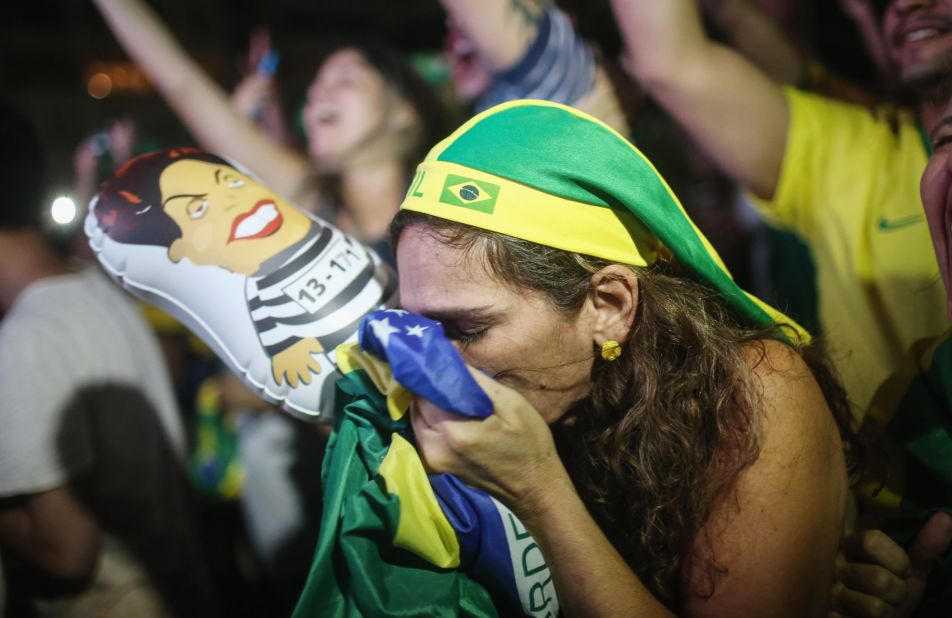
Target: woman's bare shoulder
x,y
776,535
783,383
771,359
795,423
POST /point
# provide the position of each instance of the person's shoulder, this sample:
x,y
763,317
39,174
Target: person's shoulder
x,y
792,409
38,306
774,536
21,335
774,361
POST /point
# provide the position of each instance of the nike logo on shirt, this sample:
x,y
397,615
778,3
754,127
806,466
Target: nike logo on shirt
x,y
887,224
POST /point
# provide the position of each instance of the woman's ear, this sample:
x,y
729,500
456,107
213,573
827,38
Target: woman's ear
x,y
614,297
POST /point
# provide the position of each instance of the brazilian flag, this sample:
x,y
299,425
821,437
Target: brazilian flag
x,y
394,540
214,465
357,569
469,193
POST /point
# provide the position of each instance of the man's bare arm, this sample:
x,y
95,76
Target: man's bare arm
x,y
737,114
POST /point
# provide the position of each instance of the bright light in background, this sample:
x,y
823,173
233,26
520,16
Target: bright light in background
x,y
63,210
99,85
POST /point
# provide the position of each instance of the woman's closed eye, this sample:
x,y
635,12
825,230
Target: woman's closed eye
x,y
942,140
464,335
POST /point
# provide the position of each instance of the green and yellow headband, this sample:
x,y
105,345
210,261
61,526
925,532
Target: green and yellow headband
x,y
555,176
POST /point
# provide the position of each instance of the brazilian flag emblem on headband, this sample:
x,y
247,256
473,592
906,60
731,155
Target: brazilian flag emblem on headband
x,y
469,193
555,176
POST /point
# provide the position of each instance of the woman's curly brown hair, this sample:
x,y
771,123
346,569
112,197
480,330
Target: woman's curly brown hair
x,y
670,425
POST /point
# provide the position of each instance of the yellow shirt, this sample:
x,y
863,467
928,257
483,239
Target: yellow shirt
x,y
849,186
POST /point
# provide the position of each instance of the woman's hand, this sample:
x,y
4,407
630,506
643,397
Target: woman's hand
x,y
256,90
253,93
875,577
85,160
858,9
509,454
512,456
122,139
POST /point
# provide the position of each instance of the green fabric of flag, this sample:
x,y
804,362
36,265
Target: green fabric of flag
x,y
908,476
357,569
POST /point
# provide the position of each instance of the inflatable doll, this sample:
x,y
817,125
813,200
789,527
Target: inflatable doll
x,y
272,289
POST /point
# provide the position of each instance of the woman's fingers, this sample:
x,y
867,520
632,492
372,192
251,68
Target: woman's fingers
x,y
431,413
931,543
927,549
876,577
427,439
875,547
872,572
875,580
442,436
855,604
510,407
506,454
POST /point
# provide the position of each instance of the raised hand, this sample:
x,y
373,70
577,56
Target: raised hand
x,y
878,578
509,454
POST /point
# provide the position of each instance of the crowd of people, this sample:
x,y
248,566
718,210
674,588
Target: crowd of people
x,y
604,240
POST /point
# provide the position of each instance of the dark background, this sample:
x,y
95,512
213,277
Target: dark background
x,y
49,48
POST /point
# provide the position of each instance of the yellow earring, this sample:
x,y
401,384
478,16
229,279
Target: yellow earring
x,y
611,350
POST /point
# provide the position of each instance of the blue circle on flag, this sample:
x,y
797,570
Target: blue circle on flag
x,y
469,192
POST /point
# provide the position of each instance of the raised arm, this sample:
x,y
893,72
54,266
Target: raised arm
x,y
735,113
500,30
560,67
761,40
201,104
758,38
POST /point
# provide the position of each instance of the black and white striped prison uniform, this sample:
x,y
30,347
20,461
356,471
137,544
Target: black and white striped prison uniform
x,y
281,321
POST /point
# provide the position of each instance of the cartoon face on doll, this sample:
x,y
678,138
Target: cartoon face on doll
x,y
202,208
226,218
